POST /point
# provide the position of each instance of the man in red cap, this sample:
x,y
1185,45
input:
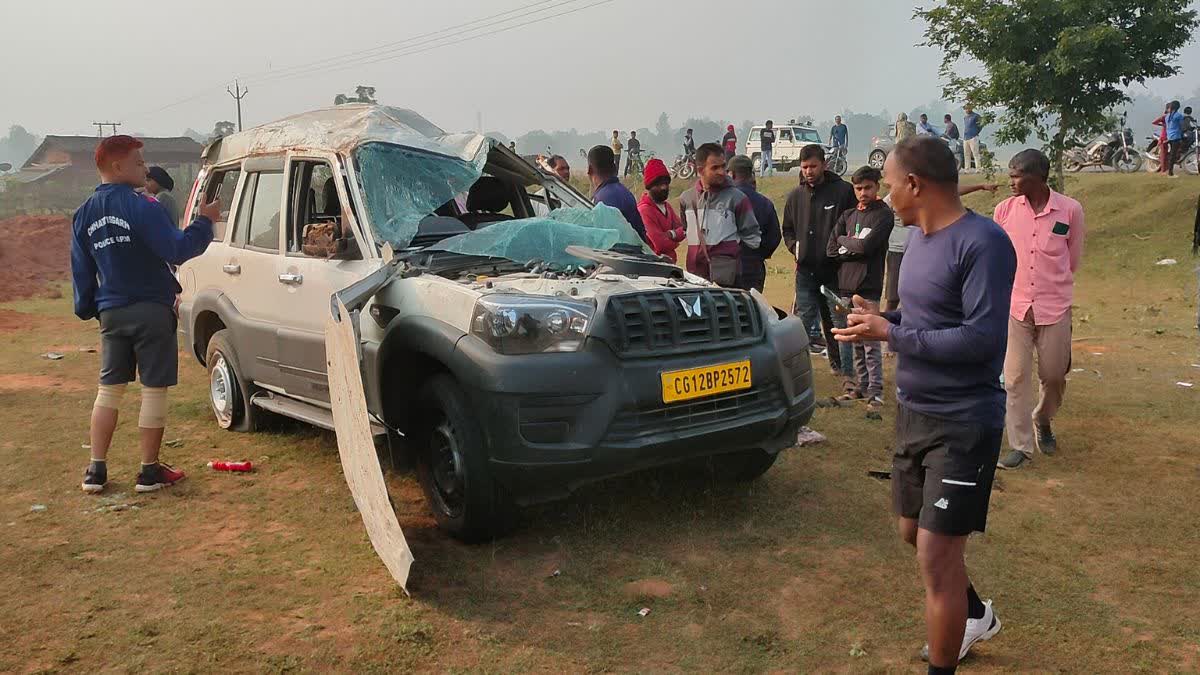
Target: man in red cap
x,y
663,227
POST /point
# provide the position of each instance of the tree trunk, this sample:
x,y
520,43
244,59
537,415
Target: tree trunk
x,y
1056,154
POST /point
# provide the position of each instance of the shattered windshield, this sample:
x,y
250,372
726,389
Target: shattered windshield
x,y
402,185
547,237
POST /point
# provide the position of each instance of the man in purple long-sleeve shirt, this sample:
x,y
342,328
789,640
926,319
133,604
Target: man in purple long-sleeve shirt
x,y
951,334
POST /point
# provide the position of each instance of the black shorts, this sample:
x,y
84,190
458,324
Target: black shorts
x,y
139,338
942,472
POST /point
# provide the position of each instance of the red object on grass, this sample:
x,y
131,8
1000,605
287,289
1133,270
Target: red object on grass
x,y
242,466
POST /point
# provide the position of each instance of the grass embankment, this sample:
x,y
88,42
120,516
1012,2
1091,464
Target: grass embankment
x,y
1090,555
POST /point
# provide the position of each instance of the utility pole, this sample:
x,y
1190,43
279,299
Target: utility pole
x,y
100,127
241,93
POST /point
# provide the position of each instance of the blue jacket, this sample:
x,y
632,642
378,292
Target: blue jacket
x,y
616,195
768,221
121,248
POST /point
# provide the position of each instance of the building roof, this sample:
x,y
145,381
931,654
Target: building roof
x,y
76,145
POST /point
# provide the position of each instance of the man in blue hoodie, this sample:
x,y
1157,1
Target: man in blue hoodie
x,y
121,249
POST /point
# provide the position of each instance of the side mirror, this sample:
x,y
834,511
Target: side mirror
x,y
5,166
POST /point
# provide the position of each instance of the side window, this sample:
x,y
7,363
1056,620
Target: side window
x,y
755,134
258,214
785,135
316,225
227,179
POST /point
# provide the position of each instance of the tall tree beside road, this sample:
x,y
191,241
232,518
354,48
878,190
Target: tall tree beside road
x,y
1055,68
18,145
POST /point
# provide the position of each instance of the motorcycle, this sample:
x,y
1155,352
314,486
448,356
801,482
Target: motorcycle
x,y
1114,148
1189,158
835,159
683,167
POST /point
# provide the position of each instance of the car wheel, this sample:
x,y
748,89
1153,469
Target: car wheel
x,y
877,158
743,465
756,162
228,393
452,465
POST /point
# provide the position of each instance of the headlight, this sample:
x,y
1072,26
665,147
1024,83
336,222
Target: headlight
x,y
520,324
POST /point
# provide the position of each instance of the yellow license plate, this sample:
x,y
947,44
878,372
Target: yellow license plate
x,y
685,385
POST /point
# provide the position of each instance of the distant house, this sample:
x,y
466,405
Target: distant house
x,y
62,169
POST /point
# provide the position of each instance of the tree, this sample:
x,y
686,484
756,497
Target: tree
x,y
1056,68
222,129
18,145
663,128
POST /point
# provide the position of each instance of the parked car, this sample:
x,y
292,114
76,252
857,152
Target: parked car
x,y
512,357
882,145
789,139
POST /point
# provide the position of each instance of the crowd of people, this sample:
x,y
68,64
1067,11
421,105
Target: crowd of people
x,y
948,291
975,309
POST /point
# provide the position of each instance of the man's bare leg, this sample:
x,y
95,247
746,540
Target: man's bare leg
x,y
150,441
944,572
104,424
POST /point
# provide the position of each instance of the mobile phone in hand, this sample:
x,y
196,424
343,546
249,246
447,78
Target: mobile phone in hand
x,y
835,302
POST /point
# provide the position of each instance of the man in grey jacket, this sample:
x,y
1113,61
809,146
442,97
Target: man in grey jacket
x,y
719,219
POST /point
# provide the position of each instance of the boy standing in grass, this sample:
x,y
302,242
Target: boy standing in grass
x,y
121,249
859,243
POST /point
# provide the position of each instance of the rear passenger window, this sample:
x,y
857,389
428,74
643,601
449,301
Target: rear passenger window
x,y
258,214
228,180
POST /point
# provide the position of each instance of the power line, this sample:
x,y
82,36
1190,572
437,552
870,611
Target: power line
x,y
252,77
487,21
431,47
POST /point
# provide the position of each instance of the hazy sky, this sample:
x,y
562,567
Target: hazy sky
x,y
68,63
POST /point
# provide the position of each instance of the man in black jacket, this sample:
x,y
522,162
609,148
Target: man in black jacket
x,y
752,265
859,243
811,211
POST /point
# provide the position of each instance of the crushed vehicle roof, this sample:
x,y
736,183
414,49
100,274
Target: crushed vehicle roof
x,y
342,128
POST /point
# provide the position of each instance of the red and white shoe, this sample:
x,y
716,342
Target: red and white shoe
x,y
156,477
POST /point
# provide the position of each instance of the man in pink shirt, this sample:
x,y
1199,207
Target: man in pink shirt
x,y
1047,231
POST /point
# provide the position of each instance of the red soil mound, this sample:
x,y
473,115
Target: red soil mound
x,y
35,252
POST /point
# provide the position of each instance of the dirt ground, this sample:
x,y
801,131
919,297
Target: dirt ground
x,y
1090,556
35,252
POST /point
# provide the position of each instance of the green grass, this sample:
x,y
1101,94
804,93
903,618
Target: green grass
x,y
1090,555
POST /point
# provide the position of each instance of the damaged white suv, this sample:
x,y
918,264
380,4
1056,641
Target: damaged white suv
x,y
514,341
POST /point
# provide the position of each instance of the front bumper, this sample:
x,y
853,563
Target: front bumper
x,y
553,422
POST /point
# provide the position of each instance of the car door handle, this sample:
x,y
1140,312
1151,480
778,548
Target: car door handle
x,y
294,279
232,268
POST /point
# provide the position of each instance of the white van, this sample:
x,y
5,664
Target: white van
x,y
789,139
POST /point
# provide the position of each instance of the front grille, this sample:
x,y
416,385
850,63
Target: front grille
x,y
630,424
656,321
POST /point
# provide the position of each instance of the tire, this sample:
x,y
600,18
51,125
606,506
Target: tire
x,y
1072,164
228,392
756,163
1191,163
876,159
1126,164
687,171
743,465
452,465
839,165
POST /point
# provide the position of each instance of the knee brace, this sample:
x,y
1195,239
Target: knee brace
x,y
109,396
154,408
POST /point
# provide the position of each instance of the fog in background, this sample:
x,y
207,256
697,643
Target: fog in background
x,y
162,68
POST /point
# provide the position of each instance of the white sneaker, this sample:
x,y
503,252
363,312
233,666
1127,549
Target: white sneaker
x,y
978,630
